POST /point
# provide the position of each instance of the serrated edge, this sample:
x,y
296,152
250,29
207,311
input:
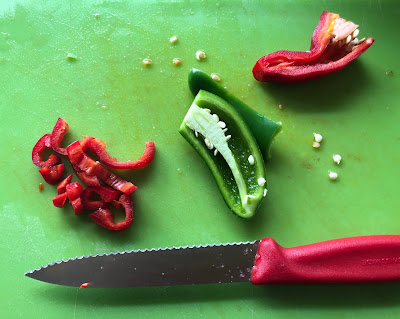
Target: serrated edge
x,y
140,251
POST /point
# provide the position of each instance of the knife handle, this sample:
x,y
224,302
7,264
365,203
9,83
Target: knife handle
x,y
363,259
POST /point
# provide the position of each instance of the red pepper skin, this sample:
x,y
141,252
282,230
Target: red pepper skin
x,y
325,57
85,143
105,217
53,174
99,148
59,200
89,180
86,164
106,193
77,205
74,190
59,130
37,157
61,188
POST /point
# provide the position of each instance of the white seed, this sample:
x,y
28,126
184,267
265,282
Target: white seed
x,y
280,106
208,144
225,130
147,62
221,124
176,61
215,152
333,176
196,134
96,15
251,160
265,192
228,137
355,33
173,39
354,42
207,110
337,158
261,181
316,145
216,117
317,137
348,39
200,55
215,77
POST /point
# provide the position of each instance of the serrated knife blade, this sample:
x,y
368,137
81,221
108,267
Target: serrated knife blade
x,y
363,259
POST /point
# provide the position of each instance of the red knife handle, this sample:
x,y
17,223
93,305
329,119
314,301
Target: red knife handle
x,y
361,259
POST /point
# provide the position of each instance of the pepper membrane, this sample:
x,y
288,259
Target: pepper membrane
x,y
334,45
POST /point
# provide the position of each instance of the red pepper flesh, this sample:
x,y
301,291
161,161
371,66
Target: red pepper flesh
x,y
37,150
99,148
333,46
59,200
89,166
106,193
74,190
77,205
85,142
59,130
89,180
53,174
105,217
61,188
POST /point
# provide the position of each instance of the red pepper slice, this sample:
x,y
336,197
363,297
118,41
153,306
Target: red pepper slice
x,y
99,148
86,164
37,157
61,188
106,193
85,142
59,200
77,205
89,180
74,190
59,130
334,45
105,217
52,174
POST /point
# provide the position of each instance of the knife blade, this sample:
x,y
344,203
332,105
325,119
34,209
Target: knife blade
x,y
362,259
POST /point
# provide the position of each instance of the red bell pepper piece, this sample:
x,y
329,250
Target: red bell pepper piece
x,y
59,200
74,190
53,174
334,45
107,195
77,205
99,148
85,142
59,130
89,180
37,150
61,188
105,217
86,164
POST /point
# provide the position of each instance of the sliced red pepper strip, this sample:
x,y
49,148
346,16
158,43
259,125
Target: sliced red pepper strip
x,y
85,142
106,193
59,200
99,148
59,130
334,45
89,180
105,217
77,205
61,188
37,150
74,190
53,174
86,164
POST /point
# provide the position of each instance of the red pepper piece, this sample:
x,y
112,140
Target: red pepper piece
x,y
59,200
74,190
333,46
105,217
86,164
77,205
61,188
106,193
89,180
99,148
59,130
84,285
37,157
85,142
52,174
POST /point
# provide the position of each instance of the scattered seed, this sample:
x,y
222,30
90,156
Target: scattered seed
x,y
265,192
317,137
215,77
337,158
200,55
71,57
355,33
261,181
147,62
225,130
216,117
215,152
173,39
196,134
97,15
228,137
316,145
177,61
40,187
333,176
251,160
208,144
280,106
221,124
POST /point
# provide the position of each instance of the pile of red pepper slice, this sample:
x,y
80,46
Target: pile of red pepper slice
x,y
92,173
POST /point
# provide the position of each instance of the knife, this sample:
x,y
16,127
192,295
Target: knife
x,y
363,259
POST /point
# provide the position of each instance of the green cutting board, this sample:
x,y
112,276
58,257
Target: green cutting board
x,y
108,93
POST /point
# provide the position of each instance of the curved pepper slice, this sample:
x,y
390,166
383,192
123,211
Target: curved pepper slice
x,y
53,174
105,217
232,155
99,148
334,45
37,150
59,130
107,194
74,191
264,129
89,180
89,166
61,187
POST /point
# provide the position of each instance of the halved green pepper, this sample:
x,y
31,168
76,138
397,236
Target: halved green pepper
x,y
263,128
222,138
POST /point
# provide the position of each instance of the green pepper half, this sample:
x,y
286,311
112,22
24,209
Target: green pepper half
x,y
222,138
263,128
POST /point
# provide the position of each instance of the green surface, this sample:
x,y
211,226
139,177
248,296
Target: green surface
x,y
178,203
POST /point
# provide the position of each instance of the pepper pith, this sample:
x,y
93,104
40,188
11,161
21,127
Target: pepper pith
x,y
334,45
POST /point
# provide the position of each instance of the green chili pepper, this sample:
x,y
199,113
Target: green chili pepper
x,y
263,128
222,138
